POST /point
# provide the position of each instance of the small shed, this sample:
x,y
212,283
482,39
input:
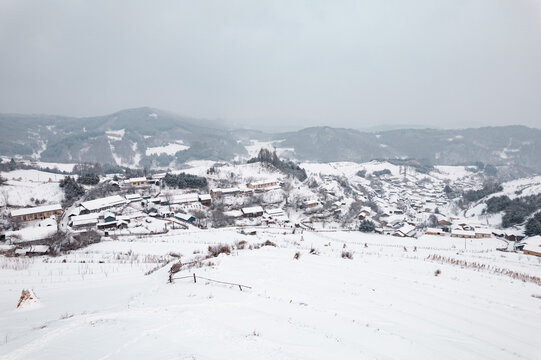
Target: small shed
x,y
185,217
205,199
532,246
253,211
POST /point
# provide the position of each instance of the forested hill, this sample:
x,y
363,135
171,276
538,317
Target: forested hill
x,y
151,137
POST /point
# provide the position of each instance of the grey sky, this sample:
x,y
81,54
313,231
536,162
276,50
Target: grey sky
x,y
446,63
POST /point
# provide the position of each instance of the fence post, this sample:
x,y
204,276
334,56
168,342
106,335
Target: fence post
x,y
194,279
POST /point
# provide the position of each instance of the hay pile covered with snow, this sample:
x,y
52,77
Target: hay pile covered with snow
x,y
28,299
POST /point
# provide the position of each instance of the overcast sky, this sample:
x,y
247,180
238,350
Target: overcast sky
x,y
443,63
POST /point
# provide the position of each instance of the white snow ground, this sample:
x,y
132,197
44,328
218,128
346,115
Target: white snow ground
x,y
169,149
385,303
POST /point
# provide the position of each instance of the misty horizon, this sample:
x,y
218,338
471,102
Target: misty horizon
x,y
265,66
274,128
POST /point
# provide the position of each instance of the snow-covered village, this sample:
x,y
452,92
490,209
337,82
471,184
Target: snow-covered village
x,y
346,255
310,180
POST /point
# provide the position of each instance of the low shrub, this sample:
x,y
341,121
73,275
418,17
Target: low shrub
x,y
268,243
216,250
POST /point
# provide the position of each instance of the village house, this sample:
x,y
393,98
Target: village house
x,y
84,222
261,184
228,191
253,211
532,246
364,214
276,214
185,217
133,197
310,204
34,250
509,234
444,222
137,181
183,199
434,231
36,213
98,205
205,199
156,178
463,234
407,230
483,233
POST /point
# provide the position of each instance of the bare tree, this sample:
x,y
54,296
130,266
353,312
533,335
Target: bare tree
x,y
5,195
168,195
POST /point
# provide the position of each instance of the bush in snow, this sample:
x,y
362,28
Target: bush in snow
x,y
241,244
184,181
216,250
88,179
533,226
488,188
432,220
266,156
497,204
347,255
72,190
297,255
367,226
61,242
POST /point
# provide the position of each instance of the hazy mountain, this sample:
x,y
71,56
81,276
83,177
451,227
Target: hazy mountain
x,y
507,145
146,136
122,137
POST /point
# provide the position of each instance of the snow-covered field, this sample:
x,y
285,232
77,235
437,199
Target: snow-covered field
x,y
26,186
386,302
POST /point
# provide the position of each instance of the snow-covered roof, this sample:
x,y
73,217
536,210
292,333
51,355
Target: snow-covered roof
x,y
263,182
433,230
103,203
274,211
533,244
86,216
108,214
39,249
226,190
406,229
204,197
252,210
37,209
137,179
75,221
483,231
185,217
184,198
464,232
233,213
133,196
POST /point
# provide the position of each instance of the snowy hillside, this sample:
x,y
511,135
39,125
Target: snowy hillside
x,y
317,307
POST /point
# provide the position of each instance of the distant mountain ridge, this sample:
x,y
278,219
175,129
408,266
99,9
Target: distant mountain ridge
x,y
151,137
506,145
